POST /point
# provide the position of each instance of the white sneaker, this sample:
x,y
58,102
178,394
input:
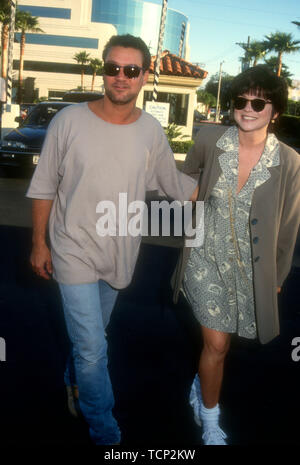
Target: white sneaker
x,y
195,399
214,436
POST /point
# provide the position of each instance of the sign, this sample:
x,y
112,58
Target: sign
x,y
160,111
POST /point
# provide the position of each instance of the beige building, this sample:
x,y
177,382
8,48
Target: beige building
x,y
67,25
178,83
50,61
294,92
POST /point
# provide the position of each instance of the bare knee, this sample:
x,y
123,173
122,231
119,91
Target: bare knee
x,y
215,343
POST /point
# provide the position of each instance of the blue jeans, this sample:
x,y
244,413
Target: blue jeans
x,y
87,309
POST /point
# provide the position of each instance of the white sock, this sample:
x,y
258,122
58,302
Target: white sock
x,y
209,416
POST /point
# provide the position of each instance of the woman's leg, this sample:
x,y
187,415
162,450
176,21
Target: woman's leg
x,y
207,384
215,347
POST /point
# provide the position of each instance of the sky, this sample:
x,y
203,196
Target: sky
x,y
216,26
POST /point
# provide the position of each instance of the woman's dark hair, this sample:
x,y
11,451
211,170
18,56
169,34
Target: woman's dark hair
x,y
129,41
260,80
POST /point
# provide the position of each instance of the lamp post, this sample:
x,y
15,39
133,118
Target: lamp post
x,y
159,48
10,50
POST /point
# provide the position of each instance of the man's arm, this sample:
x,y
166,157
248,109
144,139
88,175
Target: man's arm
x,y
195,194
40,257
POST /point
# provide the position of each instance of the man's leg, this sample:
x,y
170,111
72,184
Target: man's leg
x,y
108,297
83,314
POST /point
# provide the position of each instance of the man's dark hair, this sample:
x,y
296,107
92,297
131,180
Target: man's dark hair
x,y
129,41
262,81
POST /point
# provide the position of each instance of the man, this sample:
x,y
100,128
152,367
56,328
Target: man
x,y
93,152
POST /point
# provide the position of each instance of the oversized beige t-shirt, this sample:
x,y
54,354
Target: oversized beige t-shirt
x,y
86,160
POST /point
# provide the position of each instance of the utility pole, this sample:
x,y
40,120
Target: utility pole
x,y
159,48
218,97
245,60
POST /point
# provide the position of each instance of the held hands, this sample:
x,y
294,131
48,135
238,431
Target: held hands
x,y
40,260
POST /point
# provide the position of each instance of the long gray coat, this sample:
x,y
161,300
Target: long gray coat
x,y
274,220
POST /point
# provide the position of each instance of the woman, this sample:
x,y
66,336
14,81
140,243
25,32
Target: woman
x,y
250,183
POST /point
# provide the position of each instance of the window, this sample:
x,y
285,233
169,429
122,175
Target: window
x,y
56,94
47,12
178,105
62,41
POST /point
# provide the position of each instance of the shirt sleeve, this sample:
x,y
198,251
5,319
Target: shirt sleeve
x,y
45,179
165,177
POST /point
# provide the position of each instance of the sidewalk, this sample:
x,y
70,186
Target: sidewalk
x,y
153,354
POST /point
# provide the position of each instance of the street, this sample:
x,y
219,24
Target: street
x,y
153,352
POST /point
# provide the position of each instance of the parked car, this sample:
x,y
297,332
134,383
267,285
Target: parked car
x,y
21,147
199,116
81,96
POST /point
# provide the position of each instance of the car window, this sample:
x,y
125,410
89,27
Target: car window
x,y
42,115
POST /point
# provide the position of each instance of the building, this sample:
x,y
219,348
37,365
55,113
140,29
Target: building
x,y
71,26
178,83
294,91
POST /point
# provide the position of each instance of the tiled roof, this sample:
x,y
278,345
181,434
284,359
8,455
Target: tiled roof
x,y
173,65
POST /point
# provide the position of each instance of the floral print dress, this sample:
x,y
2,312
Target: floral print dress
x,y
218,278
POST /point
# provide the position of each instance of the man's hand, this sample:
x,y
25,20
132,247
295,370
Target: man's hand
x,y
278,290
40,257
40,260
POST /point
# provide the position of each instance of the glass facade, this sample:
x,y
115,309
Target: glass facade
x,y
63,41
46,12
141,18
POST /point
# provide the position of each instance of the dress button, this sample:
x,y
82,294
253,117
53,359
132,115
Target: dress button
x,y
254,221
256,259
255,240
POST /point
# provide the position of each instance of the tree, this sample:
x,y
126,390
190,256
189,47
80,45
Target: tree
x,y
281,43
297,23
209,100
82,59
272,64
25,22
97,66
255,51
212,88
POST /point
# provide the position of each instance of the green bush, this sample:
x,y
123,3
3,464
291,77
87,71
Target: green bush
x,y
180,146
288,125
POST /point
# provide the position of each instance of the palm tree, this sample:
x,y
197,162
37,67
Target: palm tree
x,y
281,43
25,22
254,51
97,66
272,64
82,59
297,23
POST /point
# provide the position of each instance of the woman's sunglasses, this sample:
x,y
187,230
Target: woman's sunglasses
x,y
130,71
257,104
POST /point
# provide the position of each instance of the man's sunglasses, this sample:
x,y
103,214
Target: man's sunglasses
x,y
257,104
130,71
